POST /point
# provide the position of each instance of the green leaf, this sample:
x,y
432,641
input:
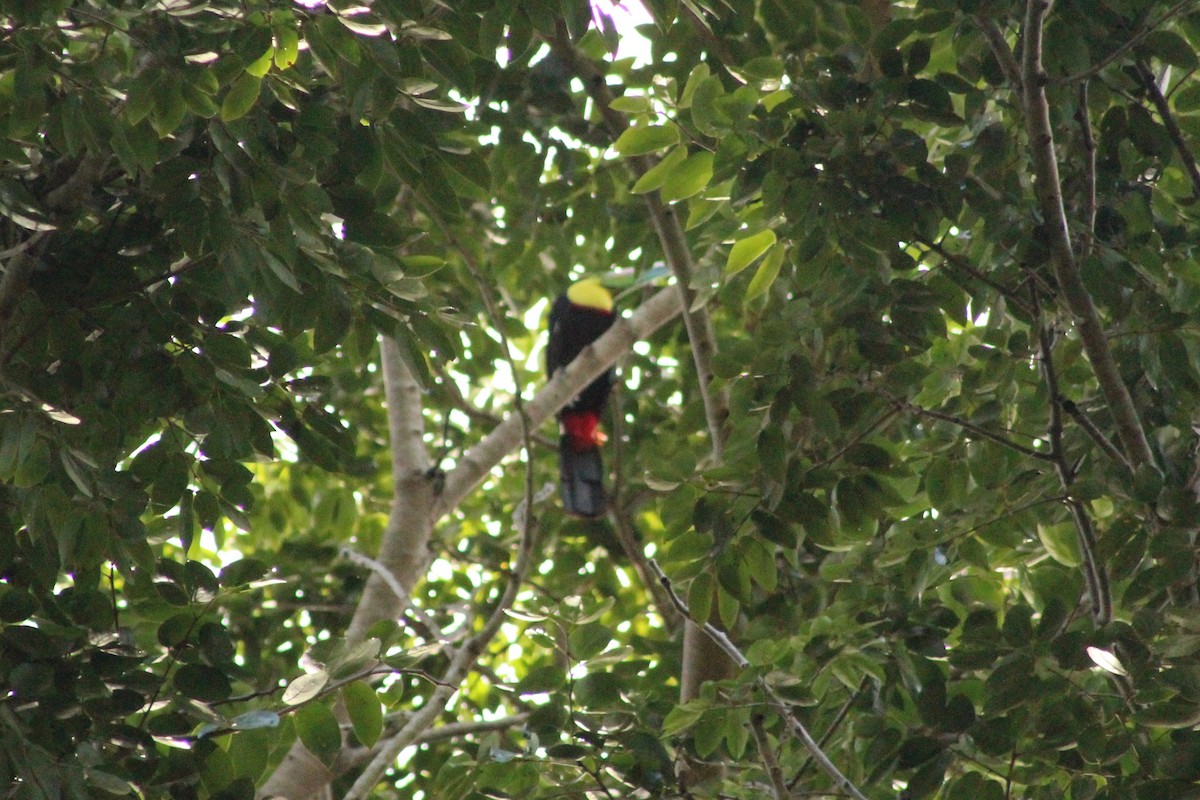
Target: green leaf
x,y
169,107
656,176
203,683
707,114
946,483
589,640
261,65
689,178
746,250
1171,48
241,97
305,688
765,275
698,74
647,139
539,680
365,712
287,47
1060,542
684,716
728,608
253,720
598,690
631,104
700,597
319,732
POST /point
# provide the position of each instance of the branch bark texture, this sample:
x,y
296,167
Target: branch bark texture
x,y
1062,255
566,383
416,508
401,553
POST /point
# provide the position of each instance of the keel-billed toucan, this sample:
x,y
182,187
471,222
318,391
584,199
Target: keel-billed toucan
x,y
577,319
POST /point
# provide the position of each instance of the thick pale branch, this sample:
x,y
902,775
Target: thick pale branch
x,y
410,522
401,553
449,683
1062,256
566,383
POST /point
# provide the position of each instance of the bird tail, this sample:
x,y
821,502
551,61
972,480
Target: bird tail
x,y
581,474
580,465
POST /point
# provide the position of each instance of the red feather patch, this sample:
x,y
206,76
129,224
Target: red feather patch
x,y
583,429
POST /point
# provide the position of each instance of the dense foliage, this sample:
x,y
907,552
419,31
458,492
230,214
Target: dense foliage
x,y
951,523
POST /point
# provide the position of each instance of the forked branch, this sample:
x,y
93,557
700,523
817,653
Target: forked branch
x,y
1062,255
795,726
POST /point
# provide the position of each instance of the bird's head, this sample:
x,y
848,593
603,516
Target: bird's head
x,y
590,294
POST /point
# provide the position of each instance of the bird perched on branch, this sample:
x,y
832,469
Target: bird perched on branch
x,y
578,318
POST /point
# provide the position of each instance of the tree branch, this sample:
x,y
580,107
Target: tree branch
x,y
768,758
1000,49
450,681
1171,124
410,522
797,728
970,427
16,274
1131,42
961,263
1089,171
671,237
1094,433
558,391
1094,573
1062,257
401,553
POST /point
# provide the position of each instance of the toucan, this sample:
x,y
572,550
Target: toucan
x,y
577,318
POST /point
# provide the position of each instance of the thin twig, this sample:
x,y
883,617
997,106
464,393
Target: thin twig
x,y
17,272
1002,52
838,719
883,419
959,262
1089,172
1171,124
768,757
968,426
1094,573
797,728
1094,433
420,615
1131,42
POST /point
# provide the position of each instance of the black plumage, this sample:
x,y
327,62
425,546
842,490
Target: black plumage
x,y
577,319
